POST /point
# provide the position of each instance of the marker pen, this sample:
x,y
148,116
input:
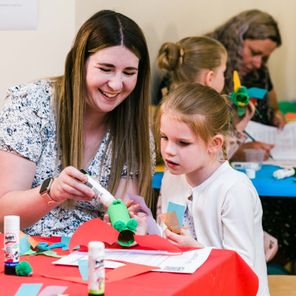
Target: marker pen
x,y
11,243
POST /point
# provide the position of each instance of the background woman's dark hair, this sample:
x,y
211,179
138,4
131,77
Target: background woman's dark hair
x,y
250,24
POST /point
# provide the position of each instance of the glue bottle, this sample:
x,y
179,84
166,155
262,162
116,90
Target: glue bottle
x,y
96,269
11,243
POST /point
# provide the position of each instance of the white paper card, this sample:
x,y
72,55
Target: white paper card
x,y
187,262
284,140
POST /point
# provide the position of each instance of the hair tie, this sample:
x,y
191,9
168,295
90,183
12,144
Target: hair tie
x,y
181,53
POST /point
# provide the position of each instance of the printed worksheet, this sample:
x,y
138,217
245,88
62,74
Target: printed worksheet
x,y
284,140
187,262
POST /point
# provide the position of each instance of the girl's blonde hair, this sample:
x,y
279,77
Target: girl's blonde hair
x,y
204,110
184,60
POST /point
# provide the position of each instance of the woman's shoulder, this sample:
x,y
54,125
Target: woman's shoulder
x,y
35,96
38,89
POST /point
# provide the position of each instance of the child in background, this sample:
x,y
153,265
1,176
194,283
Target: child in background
x,y
203,60
223,209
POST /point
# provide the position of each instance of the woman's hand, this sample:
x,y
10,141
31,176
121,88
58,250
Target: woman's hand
x,y
279,119
182,240
240,154
70,185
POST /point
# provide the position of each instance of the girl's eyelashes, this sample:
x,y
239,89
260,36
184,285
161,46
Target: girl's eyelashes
x,y
182,143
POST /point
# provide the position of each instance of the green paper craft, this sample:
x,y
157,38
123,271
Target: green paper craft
x,y
240,100
121,221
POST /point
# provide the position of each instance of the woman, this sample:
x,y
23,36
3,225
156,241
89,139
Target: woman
x,y
250,38
93,117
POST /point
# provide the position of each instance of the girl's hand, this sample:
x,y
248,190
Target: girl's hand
x,y
182,240
241,123
70,185
141,218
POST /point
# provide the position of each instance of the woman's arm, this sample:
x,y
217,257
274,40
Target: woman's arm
x,y
17,197
279,119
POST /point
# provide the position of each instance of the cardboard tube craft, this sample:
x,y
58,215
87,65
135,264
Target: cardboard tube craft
x,y
117,211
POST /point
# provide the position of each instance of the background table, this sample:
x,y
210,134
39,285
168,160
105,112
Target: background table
x,y
265,183
224,273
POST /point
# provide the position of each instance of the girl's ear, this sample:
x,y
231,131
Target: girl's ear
x,y
205,77
216,143
209,78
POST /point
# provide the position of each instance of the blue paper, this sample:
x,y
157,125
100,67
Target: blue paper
x,y
25,245
179,209
83,268
256,92
28,289
66,241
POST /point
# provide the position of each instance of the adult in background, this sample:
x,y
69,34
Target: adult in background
x,y
250,38
94,117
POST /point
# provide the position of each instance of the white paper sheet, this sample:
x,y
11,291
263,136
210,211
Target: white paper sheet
x,y
284,140
187,262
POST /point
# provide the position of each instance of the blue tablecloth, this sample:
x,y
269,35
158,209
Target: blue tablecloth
x,y
264,182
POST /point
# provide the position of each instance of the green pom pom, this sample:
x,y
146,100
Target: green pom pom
x,y
24,269
132,225
119,225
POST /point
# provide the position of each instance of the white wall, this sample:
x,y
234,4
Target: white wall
x,y
27,55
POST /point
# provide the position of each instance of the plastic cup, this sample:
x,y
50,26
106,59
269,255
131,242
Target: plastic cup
x,y
254,155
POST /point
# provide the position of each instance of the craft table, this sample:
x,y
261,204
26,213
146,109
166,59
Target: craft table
x,y
224,273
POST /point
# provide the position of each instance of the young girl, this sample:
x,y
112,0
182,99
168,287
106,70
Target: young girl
x,y
222,208
203,60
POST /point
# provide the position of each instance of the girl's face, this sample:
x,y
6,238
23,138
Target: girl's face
x,y
255,53
182,151
111,75
218,79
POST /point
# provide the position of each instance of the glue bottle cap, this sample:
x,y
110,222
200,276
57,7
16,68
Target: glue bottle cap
x,y
96,248
11,223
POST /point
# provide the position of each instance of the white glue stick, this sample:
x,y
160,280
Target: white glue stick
x,y
105,196
11,243
96,269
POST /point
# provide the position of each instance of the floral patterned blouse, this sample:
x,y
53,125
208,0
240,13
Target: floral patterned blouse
x,y
28,128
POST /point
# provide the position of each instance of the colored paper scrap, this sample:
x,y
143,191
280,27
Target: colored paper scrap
x,y
66,241
179,209
83,268
171,221
28,289
256,92
127,270
53,290
93,230
25,245
98,230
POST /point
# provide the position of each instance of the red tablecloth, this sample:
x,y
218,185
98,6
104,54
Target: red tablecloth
x,y
224,273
